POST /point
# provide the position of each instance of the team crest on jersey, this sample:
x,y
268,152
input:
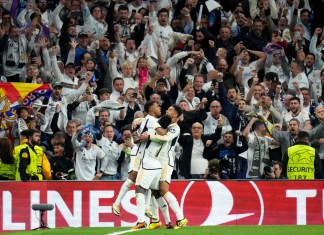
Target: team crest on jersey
x,y
172,130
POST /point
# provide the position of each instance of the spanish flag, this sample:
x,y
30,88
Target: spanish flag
x,y
13,94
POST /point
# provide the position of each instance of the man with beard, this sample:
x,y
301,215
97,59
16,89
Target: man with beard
x,y
311,71
118,89
309,104
32,163
254,40
281,101
298,113
255,92
55,99
13,47
288,138
227,100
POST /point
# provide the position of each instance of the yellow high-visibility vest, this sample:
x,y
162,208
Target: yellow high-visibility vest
x,y
301,160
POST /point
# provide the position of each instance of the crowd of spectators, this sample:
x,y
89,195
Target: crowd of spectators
x,y
248,75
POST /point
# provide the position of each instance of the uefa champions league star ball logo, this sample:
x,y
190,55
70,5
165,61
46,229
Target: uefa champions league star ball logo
x,y
224,204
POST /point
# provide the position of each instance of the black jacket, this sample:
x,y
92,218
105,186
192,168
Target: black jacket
x,y
186,141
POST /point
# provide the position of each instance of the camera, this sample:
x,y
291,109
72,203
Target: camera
x,y
135,95
268,170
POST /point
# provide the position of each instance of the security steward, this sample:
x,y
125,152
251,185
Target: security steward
x,y
31,161
301,162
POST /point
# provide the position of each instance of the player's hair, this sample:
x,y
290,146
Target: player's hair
x,y
177,109
165,121
148,105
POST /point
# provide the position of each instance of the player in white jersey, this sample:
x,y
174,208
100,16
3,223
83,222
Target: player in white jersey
x,y
166,157
149,174
153,111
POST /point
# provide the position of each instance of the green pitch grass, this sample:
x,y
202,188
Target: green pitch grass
x,y
189,230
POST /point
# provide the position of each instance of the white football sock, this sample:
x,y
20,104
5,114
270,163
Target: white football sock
x,y
140,202
164,209
173,203
154,207
123,190
148,199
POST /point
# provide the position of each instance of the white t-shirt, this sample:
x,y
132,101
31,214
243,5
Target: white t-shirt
x,y
198,163
85,164
249,71
302,118
131,7
210,124
113,153
301,79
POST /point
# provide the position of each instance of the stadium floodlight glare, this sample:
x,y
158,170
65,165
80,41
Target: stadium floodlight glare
x,y
42,208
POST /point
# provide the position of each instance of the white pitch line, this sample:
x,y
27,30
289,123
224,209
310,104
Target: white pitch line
x,y
123,232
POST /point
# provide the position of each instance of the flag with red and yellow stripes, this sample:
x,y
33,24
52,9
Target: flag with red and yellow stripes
x,y
13,94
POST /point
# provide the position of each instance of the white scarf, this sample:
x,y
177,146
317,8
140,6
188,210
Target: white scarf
x,y
11,54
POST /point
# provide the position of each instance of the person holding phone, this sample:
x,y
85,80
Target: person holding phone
x,y
131,96
134,7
